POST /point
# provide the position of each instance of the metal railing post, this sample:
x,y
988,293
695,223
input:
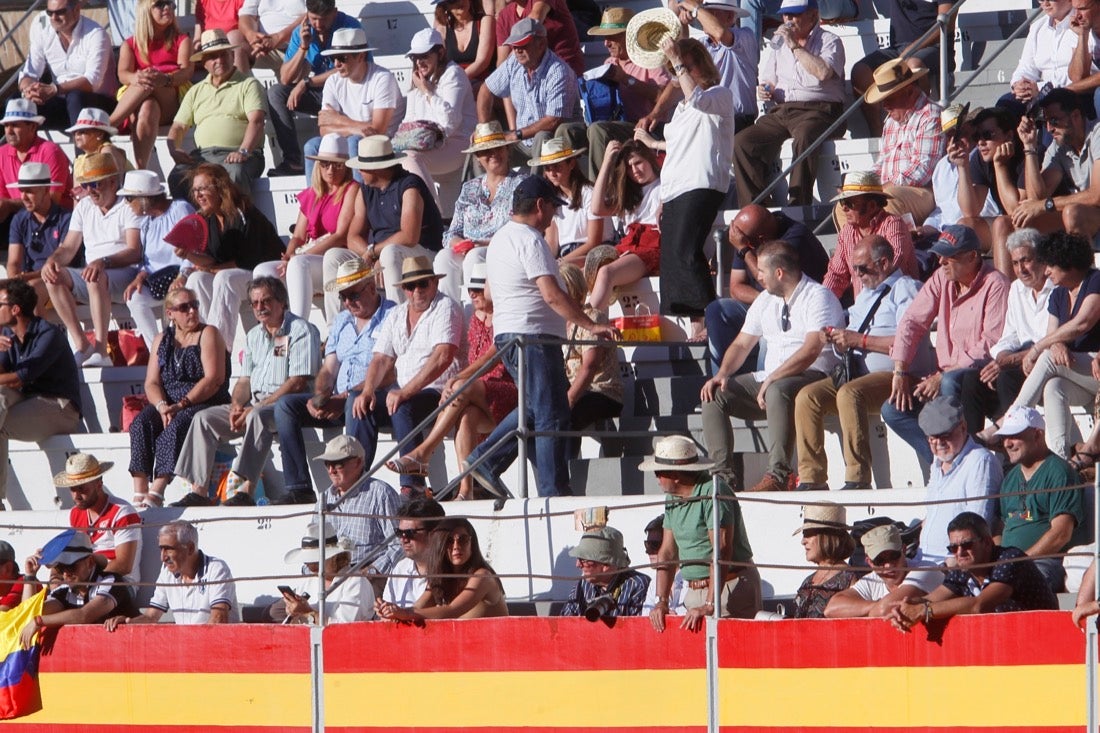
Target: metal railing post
x,y
317,633
712,620
1092,663
947,51
521,408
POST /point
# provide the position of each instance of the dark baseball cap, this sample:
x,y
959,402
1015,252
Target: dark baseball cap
x,y
537,187
956,239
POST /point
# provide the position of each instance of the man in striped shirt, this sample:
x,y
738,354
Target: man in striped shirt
x,y
112,524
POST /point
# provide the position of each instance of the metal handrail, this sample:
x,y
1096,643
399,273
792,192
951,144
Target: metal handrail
x,y
1020,30
3,40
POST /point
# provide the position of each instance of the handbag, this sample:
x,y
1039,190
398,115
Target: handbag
x,y
637,327
132,405
852,366
418,135
159,282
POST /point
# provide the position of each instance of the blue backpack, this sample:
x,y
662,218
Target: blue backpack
x,y
599,101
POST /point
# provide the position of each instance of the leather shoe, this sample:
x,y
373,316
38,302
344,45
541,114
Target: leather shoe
x,y
769,482
854,486
240,499
192,499
297,496
811,487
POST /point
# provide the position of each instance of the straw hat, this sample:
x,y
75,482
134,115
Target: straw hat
x,y
859,183
142,183
310,549
348,274
93,118
555,150
22,110
827,515
33,175
348,40
596,258
212,41
81,468
417,268
644,33
488,135
612,22
375,152
676,453
889,78
333,148
603,545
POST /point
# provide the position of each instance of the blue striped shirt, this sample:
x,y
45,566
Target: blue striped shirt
x,y
629,595
550,92
354,349
293,351
367,515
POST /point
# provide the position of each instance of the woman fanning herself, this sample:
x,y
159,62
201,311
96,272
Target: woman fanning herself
x,y
628,186
460,583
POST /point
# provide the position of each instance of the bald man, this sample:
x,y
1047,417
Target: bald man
x,y
750,229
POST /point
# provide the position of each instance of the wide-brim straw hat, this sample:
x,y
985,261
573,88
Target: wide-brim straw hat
x,y
348,274
612,22
825,515
644,33
488,135
375,152
98,166
81,468
333,149
34,175
310,548
596,258
213,41
859,183
417,268
142,183
555,150
93,118
891,77
676,453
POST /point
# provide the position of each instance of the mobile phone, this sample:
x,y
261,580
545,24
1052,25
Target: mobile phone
x,y
286,590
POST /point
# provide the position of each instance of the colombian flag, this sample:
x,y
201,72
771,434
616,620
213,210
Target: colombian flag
x,y
19,668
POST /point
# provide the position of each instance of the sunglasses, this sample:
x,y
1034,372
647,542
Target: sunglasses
x,y
408,534
849,203
586,563
163,4
986,135
460,540
785,318
92,185
953,549
476,291
191,305
60,13
330,465
418,285
349,295
340,58
890,556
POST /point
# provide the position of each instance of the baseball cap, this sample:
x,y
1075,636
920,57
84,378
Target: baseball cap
x,y
956,239
66,548
341,448
537,187
882,539
1019,419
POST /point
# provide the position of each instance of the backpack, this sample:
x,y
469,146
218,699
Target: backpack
x,y
599,101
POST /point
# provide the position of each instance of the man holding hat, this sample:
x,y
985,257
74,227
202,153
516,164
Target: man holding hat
x,y
968,299
605,572
24,145
804,77
37,229
227,111
304,73
109,231
964,476
89,593
1039,519
76,51
893,578
396,211
421,340
349,350
691,496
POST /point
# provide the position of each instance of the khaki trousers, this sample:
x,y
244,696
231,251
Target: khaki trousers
x,y
32,419
741,596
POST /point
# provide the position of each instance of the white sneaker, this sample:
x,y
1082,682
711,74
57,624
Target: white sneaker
x,y
97,360
81,355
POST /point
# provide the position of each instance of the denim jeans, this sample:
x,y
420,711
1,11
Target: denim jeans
x,y
313,145
291,415
408,415
724,319
546,391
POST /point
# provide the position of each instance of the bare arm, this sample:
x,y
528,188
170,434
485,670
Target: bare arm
x,y
1054,539
486,45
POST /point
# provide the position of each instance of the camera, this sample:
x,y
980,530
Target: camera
x,y
599,607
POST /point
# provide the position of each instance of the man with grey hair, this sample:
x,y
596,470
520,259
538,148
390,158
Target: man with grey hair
x,y
1025,321
197,588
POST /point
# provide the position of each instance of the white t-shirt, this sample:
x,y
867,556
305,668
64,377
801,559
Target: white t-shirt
x,y
274,15
104,234
573,223
404,591
872,588
451,105
191,604
516,257
379,90
647,211
352,601
812,307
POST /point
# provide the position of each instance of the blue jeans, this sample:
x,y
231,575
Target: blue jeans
x,y
546,390
724,318
314,144
408,415
291,415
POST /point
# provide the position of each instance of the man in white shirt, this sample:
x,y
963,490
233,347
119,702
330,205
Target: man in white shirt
x,y
789,318
77,52
894,578
1047,53
267,26
105,225
197,588
407,579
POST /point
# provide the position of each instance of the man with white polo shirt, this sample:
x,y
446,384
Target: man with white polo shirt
x,y
110,233
894,578
197,588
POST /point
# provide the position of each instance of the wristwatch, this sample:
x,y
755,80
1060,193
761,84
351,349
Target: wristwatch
x,y
245,152
1049,205
519,133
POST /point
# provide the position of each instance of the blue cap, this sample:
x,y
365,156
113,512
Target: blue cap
x,y
956,239
537,187
797,7
66,548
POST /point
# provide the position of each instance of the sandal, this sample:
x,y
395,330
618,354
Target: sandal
x,y
407,466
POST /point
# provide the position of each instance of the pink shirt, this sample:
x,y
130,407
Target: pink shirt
x,y
221,14
636,106
41,151
321,215
893,229
911,149
968,323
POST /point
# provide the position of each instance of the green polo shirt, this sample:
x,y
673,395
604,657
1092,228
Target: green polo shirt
x,y
219,114
1027,518
690,520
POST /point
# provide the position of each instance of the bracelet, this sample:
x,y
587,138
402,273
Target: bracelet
x,y
863,342
162,402
927,610
1030,151
900,373
28,578
184,402
678,69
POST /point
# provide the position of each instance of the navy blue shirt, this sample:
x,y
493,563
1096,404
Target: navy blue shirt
x,y
811,253
1060,307
39,240
1030,591
43,361
384,210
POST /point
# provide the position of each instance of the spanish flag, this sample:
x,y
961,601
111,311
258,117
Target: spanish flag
x,y
18,667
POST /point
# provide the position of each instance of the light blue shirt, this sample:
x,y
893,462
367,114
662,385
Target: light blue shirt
x,y
974,477
270,360
885,323
354,349
367,515
158,254
551,92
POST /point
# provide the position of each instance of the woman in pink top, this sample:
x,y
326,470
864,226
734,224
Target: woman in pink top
x,y
154,66
222,15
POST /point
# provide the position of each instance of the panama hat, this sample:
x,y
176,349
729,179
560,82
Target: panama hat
x,y
310,547
612,22
555,150
889,78
348,274
81,468
333,148
825,515
33,175
603,545
676,453
478,276
644,33
375,152
212,41
417,268
93,118
142,183
488,135
859,183
22,110
348,40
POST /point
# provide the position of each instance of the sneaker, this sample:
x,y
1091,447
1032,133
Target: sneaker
x,y
240,499
192,499
486,480
769,482
296,496
285,169
811,487
854,486
81,355
97,361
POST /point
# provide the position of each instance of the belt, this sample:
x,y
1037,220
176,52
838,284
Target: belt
x,y
731,573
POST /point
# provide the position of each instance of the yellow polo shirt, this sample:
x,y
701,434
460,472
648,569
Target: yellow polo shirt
x,y
220,114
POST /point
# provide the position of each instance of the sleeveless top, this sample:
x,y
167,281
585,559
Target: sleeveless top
x,y
161,58
322,214
450,42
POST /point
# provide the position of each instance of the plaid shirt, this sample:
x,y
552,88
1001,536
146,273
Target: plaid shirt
x,y
629,595
839,275
380,502
550,92
911,149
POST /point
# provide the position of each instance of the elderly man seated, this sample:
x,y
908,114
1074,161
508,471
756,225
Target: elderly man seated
x,y
894,578
281,358
197,588
608,587
109,231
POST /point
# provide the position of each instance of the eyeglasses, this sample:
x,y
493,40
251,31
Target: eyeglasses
x,y
890,556
203,189
862,269
986,135
60,13
785,318
942,437
263,302
332,465
349,295
417,285
587,563
408,534
953,549
187,307
163,4
459,540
